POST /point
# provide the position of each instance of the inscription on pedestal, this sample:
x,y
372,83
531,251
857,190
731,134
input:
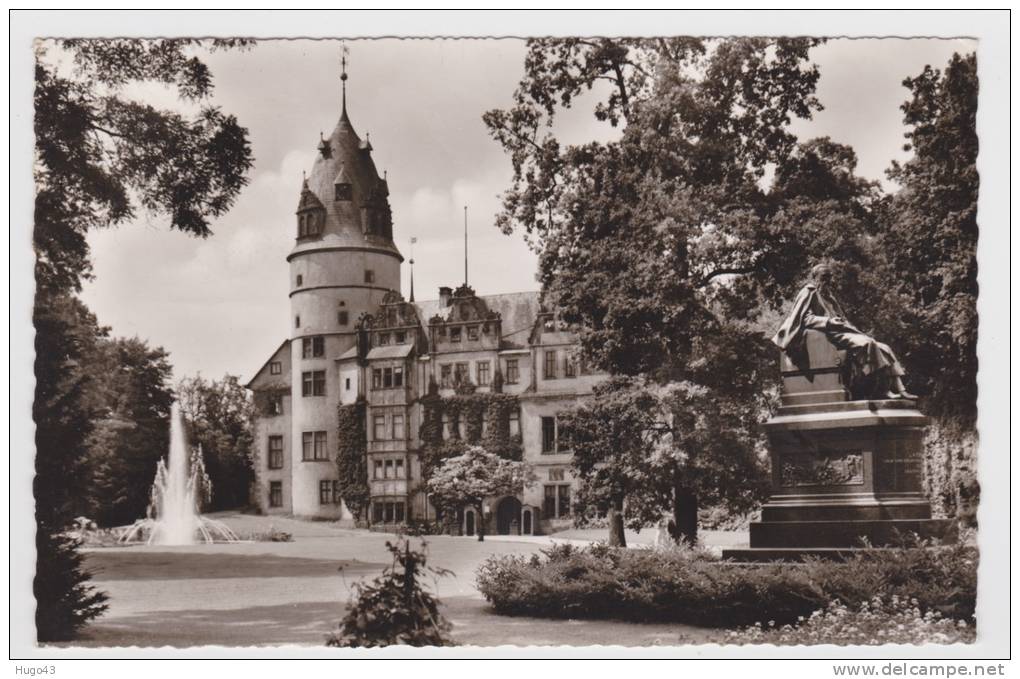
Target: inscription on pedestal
x,y
844,468
900,468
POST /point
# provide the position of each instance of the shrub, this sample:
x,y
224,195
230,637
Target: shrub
x,y
691,586
395,608
878,621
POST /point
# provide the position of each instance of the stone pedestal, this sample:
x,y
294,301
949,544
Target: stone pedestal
x,y
843,472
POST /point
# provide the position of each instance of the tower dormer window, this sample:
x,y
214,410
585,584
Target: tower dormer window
x,y
342,191
310,224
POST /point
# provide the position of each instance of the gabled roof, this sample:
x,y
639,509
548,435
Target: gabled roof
x,y
265,366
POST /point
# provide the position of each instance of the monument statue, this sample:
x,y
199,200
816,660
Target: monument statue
x,y
846,443
874,371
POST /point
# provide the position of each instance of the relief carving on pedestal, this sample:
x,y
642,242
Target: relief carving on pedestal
x,y
823,469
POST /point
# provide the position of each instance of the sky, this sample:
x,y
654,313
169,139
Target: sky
x,y
219,305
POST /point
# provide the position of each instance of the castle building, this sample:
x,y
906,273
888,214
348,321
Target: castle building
x,y
355,340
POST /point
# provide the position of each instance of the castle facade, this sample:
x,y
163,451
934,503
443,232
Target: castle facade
x,y
354,340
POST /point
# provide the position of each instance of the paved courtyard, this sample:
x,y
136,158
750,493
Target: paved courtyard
x,y
266,593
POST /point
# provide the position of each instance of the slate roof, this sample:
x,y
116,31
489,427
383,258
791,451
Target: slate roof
x,y
390,351
517,309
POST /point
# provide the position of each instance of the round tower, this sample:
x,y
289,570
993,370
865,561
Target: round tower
x,y
342,265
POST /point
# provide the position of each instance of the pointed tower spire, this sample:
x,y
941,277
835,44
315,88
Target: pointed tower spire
x,y
411,262
343,79
465,248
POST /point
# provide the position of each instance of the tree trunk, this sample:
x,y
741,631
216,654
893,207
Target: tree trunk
x,y
480,520
685,516
616,535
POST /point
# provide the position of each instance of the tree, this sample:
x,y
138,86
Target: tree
x,y
102,155
220,415
132,434
661,246
99,157
641,450
64,410
470,478
930,237
930,242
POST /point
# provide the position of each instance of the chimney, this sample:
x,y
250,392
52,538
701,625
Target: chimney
x,y
444,296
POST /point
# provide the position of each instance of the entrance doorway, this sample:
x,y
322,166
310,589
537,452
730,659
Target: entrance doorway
x,y
526,520
508,512
469,522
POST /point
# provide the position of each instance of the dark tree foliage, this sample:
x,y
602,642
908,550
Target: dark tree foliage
x,y
352,458
661,246
64,411
395,608
221,415
931,238
100,157
133,432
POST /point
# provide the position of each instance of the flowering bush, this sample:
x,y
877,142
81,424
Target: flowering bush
x,y
878,621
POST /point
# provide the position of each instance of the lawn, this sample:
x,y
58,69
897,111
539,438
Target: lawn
x,y
268,593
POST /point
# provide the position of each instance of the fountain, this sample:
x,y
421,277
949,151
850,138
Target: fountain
x,y
181,485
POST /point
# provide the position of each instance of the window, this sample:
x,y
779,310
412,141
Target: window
x,y
369,276
342,192
515,423
398,427
320,446
384,338
389,469
274,404
388,512
513,371
569,365
379,428
377,470
556,501
550,365
313,446
276,493
548,434
336,493
399,468
275,368
313,383
472,332
342,318
482,370
460,373
445,375
455,334
400,337
275,452
387,378
325,492
300,280
313,347
347,383
297,321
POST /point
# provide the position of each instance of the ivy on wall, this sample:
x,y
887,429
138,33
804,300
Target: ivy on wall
x,y
352,458
468,414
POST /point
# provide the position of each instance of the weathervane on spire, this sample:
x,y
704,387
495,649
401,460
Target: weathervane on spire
x,y
411,262
343,75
